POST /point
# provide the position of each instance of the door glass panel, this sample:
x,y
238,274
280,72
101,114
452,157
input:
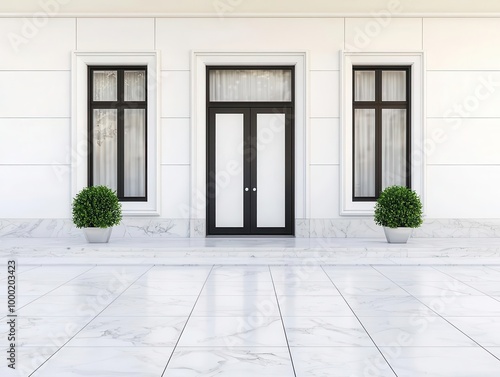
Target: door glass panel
x,y
104,146
105,88
364,153
364,85
271,170
393,147
235,85
393,86
229,190
134,152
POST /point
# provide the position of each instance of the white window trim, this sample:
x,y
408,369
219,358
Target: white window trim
x,y
199,62
79,110
417,63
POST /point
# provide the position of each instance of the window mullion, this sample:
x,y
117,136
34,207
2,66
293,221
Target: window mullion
x,y
378,132
90,127
120,136
408,128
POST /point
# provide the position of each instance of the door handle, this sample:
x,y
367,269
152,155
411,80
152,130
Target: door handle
x,y
246,188
254,189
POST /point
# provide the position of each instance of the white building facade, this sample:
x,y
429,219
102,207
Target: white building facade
x,y
246,119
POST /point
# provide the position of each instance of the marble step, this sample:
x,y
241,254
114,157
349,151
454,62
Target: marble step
x,y
252,251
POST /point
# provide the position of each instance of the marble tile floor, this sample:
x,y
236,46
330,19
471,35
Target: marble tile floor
x,y
255,320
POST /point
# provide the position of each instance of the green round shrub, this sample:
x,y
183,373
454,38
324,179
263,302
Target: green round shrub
x,y
96,207
398,206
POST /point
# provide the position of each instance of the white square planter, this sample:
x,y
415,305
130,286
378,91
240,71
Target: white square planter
x,y
397,235
97,235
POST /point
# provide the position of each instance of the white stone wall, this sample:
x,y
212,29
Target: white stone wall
x,y
462,128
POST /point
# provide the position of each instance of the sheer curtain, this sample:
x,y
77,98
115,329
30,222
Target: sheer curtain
x,y
393,147
251,85
364,145
135,86
105,130
105,88
393,86
364,135
393,130
135,153
134,136
105,148
364,86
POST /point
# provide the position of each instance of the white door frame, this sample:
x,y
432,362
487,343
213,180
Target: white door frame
x,y
199,62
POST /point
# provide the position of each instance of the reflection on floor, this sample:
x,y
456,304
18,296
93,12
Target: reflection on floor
x,y
259,320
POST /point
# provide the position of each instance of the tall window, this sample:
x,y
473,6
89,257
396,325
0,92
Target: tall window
x,y
117,130
381,129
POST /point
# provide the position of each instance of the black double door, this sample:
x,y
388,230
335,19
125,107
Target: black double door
x,y
250,171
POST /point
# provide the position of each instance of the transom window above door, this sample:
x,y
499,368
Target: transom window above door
x,y
117,131
250,85
381,129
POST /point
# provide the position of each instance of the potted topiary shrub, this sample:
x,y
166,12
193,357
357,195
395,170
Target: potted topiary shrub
x,y
96,209
398,210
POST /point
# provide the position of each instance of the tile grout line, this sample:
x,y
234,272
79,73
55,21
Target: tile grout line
x,y
34,267
46,293
282,322
91,320
187,321
31,269
484,294
361,323
59,286
439,315
467,283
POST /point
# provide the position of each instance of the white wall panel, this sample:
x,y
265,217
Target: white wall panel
x,y
324,94
175,145
35,192
383,33
324,191
34,94
35,141
463,94
463,192
460,43
324,141
322,37
175,86
115,34
175,192
44,45
463,141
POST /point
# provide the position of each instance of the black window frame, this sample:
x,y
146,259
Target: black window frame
x,y
120,105
378,105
